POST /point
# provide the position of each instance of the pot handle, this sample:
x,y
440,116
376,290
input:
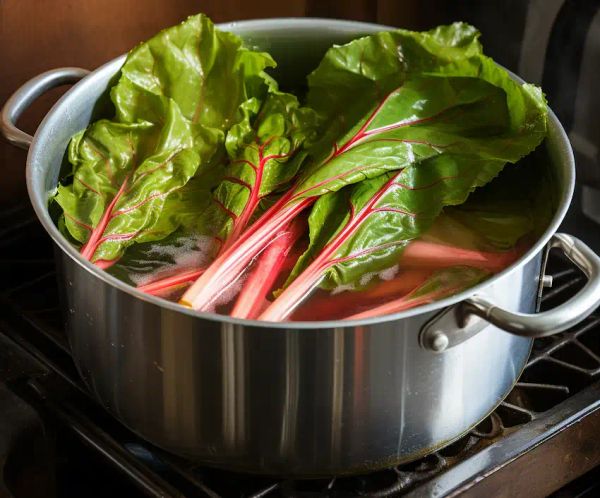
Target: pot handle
x,y
26,94
558,319
458,323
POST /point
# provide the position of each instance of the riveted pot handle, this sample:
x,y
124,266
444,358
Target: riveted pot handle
x,y
24,96
558,319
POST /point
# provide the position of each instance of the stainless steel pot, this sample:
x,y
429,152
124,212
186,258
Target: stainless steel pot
x,y
295,398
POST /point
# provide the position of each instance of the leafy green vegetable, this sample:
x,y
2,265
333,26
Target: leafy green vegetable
x,y
266,152
123,176
427,103
489,232
176,97
384,214
206,155
477,128
207,72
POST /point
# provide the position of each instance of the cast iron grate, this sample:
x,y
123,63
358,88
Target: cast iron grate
x,y
559,367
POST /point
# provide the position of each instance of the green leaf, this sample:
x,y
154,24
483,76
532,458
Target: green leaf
x,y
417,121
407,202
395,99
389,211
352,77
176,97
207,72
123,175
266,152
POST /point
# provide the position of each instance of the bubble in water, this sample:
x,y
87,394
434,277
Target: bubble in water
x,y
185,253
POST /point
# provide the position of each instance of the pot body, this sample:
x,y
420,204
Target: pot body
x,y
285,400
295,399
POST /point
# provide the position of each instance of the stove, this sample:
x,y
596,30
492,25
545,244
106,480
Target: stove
x,y
55,441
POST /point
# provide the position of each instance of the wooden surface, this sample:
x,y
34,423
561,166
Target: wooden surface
x,y
37,35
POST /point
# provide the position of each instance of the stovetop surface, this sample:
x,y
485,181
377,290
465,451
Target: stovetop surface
x,y
542,435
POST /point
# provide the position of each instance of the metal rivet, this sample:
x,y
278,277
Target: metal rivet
x,y
439,341
547,281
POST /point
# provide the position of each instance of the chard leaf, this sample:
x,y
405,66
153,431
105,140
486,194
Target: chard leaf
x,y
417,121
396,207
517,204
123,175
205,71
395,99
385,213
176,97
265,151
353,77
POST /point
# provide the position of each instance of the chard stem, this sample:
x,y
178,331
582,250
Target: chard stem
x,y
253,297
165,284
211,287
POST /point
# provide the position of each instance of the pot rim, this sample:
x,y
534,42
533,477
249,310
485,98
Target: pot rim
x,y
39,196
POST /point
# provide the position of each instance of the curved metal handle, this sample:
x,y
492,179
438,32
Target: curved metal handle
x,y
558,319
24,96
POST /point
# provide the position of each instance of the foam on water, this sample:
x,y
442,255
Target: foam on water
x,y
185,253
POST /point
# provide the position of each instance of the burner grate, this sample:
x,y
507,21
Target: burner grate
x,y
559,367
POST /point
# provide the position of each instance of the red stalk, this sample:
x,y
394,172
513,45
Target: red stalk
x,y
226,268
231,264
420,254
331,307
165,284
310,277
105,263
239,223
253,297
405,303
89,248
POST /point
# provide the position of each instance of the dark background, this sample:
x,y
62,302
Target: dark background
x,y
37,35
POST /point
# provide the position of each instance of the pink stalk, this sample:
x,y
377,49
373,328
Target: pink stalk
x,y
89,248
224,271
291,297
239,222
420,254
253,297
104,264
232,263
163,285
331,307
405,303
